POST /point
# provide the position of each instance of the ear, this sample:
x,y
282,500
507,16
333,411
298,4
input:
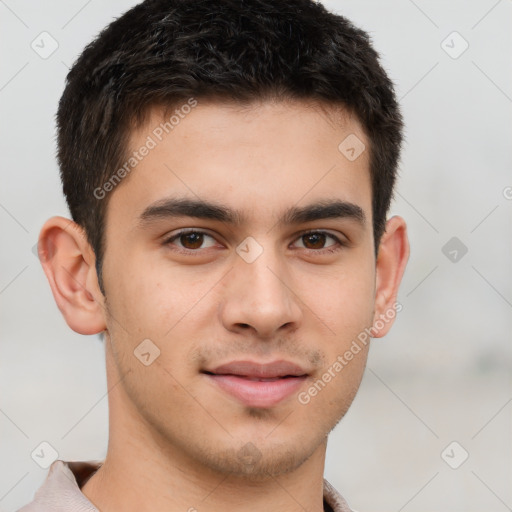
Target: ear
x,y
69,264
390,266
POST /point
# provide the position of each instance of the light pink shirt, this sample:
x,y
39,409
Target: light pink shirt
x,y
60,492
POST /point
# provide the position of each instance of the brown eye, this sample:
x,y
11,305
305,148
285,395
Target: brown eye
x,y
316,240
191,240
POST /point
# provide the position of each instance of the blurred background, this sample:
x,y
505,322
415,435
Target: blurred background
x,y
431,426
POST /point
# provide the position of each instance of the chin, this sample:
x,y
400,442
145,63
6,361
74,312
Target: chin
x,y
259,458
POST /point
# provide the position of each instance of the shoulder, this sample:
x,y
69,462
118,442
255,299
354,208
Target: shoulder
x,y
60,491
334,499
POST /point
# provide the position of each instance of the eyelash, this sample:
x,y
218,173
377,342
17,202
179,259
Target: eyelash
x,y
328,250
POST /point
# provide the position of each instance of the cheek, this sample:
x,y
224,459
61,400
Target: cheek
x,y
149,299
345,300
346,306
169,306
332,391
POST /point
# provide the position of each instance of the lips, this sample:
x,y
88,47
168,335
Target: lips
x,y
251,370
258,385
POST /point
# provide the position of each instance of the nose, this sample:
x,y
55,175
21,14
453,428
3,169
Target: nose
x,y
259,297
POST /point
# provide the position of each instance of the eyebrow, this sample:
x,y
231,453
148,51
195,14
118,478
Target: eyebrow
x,y
202,209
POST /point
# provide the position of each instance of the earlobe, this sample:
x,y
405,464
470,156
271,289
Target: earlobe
x,y
69,264
390,267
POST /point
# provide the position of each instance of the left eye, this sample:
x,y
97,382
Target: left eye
x,y
318,238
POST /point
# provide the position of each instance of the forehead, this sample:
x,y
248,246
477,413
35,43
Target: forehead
x,y
260,159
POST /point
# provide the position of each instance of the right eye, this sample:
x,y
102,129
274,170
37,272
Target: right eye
x,y
190,239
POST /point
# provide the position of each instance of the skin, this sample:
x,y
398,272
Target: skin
x,y
175,439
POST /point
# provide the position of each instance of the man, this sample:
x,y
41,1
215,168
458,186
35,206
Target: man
x,y
229,167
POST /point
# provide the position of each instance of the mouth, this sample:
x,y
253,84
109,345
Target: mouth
x,y
258,385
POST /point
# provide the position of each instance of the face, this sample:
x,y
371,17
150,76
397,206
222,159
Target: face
x,y
271,273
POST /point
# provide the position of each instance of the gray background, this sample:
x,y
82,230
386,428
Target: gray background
x,y
441,375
